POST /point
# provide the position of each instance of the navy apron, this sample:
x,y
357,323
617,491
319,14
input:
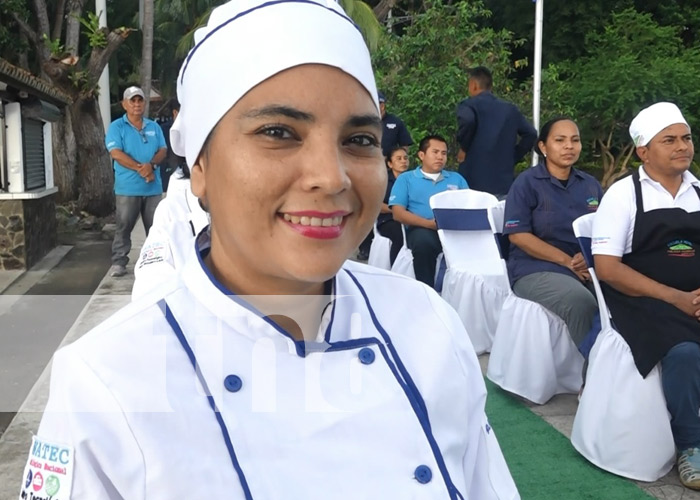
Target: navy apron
x,y
665,248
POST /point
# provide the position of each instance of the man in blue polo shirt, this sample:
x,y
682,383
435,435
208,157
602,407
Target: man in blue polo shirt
x,y
136,145
410,204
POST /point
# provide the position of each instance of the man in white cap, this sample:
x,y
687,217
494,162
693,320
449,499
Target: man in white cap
x,y
136,145
646,243
270,367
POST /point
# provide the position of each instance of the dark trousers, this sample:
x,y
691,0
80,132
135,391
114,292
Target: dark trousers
x,y
128,209
425,246
680,378
392,230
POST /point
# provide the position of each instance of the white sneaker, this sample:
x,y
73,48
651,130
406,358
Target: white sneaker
x,y
117,271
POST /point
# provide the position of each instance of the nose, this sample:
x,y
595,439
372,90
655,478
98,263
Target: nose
x,y
325,168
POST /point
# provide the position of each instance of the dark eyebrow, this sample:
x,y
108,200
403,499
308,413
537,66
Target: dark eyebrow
x,y
364,121
278,110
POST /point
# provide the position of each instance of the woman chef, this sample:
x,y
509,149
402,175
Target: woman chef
x,y
273,369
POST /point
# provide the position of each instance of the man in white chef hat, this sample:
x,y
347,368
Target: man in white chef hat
x,y
646,243
196,390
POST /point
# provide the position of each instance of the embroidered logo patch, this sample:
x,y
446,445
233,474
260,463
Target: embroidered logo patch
x,y
681,248
391,126
512,223
452,187
152,254
49,472
592,203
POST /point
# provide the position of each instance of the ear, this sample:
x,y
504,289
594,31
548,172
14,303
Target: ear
x,y
542,147
198,182
643,153
421,156
123,103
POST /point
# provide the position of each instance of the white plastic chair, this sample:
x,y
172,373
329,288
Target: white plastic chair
x,y
380,250
621,424
476,280
532,354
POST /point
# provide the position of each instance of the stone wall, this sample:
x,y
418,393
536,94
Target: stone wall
x,y
28,231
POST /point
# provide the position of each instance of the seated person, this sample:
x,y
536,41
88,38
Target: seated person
x,y
410,204
178,219
397,163
545,264
646,245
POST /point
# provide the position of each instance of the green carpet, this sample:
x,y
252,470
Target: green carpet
x,y
542,461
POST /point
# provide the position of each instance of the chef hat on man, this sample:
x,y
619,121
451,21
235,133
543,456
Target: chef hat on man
x,y
246,42
652,120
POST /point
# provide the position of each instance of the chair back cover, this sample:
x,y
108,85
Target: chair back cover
x,y
466,231
404,260
621,424
379,251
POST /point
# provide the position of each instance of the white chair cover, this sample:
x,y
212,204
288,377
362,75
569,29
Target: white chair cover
x,y
622,424
533,355
404,260
379,251
476,280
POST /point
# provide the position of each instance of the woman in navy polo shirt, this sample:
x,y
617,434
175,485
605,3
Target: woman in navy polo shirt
x,y
545,264
397,164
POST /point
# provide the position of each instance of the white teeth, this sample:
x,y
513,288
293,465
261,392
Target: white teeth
x,y
313,221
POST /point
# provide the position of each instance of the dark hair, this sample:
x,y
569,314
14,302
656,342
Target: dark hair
x,y
185,171
481,75
396,148
546,129
174,105
425,141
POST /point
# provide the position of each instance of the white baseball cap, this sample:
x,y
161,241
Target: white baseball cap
x,y
132,92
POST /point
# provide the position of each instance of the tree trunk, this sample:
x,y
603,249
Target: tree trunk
x,y
64,159
96,179
382,9
75,10
147,52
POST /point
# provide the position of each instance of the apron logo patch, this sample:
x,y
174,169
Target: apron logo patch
x,y
592,203
681,248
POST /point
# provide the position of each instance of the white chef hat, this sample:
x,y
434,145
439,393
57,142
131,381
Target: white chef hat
x,y
652,120
246,42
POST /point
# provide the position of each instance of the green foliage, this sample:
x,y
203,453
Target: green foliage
x,y
424,71
10,43
55,47
96,35
631,63
364,18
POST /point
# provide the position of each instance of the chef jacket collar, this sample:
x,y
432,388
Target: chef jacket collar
x,y
347,301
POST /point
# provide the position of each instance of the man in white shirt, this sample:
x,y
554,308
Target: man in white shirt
x,y
646,243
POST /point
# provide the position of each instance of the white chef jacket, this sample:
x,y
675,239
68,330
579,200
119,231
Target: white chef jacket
x,y
178,219
388,404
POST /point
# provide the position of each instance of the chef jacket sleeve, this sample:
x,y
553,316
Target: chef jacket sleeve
x,y
485,470
83,414
613,224
156,263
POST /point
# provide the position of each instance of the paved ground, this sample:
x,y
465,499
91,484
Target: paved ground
x,y
112,294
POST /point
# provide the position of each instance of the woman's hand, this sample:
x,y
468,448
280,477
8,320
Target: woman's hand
x,y
579,267
578,263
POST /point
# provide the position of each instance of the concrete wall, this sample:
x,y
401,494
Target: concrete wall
x,y
28,231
